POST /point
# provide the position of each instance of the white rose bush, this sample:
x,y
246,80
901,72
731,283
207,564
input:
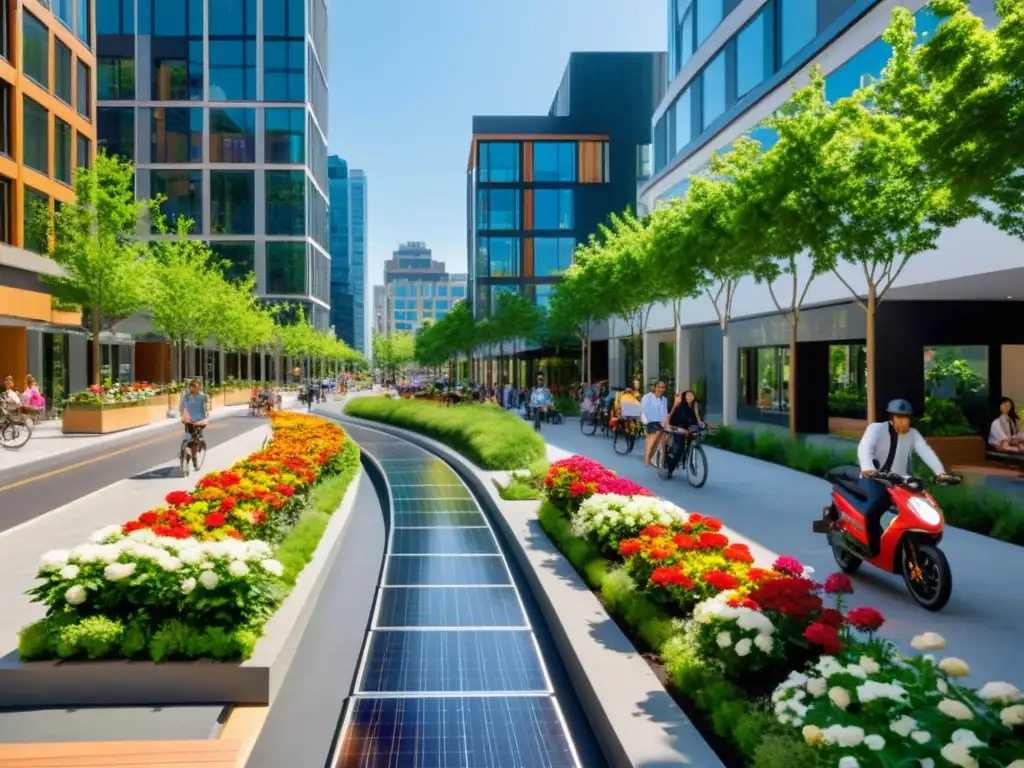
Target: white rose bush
x,y
608,518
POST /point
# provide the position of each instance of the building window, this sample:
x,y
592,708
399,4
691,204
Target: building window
x,y
5,118
61,71
554,161
177,134
35,50
643,162
237,260
176,47
284,50
497,209
116,78
232,135
752,61
34,203
61,150
799,21
115,17
442,290
498,257
63,10
684,32
115,131
84,151
179,78
542,295
184,193
459,291
285,135
499,161
232,50
286,268
714,89
682,122
83,27
6,235
552,209
83,86
552,255
36,133
286,204
709,16
232,202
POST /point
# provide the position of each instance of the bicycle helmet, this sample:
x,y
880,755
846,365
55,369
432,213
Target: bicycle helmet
x,y
900,407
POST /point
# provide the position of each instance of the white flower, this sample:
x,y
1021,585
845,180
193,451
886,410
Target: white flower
x,y
839,697
941,686
206,566
813,735
954,667
106,535
856,671
874,742
724,639
929,641
903,726
959,754
144,536
188,585
817,686
843,735
869,665
955,709
1003,693
871,690
749,619
921,737
209,579
96,553
118,571
848,762
808,571
69,572
743,647
192,555
257,550
1013,716
238,569
765,644
272,567
54,560
927,762
169,562
828,666
966,736
75,595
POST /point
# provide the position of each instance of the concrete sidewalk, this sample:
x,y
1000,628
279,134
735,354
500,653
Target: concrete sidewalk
x,y
48,441
72,524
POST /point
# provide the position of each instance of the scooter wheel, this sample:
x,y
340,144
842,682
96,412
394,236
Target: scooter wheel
x,y
845,559
935,585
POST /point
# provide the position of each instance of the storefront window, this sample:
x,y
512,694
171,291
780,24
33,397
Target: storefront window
x,y
764,381
848,392
957,375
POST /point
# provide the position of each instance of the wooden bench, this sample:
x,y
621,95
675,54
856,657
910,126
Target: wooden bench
x,y
206,753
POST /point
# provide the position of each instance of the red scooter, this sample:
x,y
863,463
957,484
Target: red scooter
x,y
911,532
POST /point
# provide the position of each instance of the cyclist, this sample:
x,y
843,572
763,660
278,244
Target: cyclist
x,y
685,414
194,409
540,400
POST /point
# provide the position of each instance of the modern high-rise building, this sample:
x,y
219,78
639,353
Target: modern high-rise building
x,y
47,130
348,252
222,105
539,185
416,290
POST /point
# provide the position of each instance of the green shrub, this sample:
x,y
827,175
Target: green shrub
x,y
943,418
567,406
489,437
518,491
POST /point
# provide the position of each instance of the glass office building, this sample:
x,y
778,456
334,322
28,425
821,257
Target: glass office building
x,y
348,252
222,105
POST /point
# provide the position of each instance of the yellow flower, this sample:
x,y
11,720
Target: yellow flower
x,y
813,735
955,709
929,641
954,667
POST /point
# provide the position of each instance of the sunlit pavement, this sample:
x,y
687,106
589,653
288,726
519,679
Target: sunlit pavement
x,y
773,506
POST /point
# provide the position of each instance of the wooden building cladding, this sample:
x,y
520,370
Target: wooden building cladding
x,y
15,86
591,162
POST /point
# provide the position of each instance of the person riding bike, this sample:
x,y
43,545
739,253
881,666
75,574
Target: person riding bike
x,y
540,399
194,409
685,415
887,447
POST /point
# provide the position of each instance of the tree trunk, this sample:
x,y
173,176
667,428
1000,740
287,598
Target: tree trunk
x,y
95,346
728,384
791,384
869,352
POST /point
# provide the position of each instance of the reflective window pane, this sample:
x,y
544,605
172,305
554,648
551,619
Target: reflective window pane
x,y
237,260
232,135
499,161
714,89
34,201
554,161
232,202
286,268
709,16
799,21
184,193
115,78
285,135
36,133
83,89
751,56
115,131
682,120
35,49
552,209
83,27
61,150
61,71
83,152
233,70
177,134
286,204
115,17
552,255
63,10
284,70
501,256
497,209
542,295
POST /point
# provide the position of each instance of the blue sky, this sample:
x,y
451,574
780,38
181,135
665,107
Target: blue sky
x,y
406,77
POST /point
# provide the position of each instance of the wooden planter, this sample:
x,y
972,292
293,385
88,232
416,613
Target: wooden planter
x,y
101,421
158,406
236,396
216,401
959,451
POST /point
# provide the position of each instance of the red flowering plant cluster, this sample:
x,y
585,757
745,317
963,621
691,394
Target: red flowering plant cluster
x,y
261,496
571,481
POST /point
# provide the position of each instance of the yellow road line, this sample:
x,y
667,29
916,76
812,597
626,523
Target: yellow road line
x,y
93,460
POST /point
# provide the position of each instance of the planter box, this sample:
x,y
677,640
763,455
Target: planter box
x,y
101,421
958,451
158,406
216,401
236,396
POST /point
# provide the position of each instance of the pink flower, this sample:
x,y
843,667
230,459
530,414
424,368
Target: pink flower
x,y
788,565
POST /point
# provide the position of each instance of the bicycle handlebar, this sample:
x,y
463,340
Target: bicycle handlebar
x,y
896,479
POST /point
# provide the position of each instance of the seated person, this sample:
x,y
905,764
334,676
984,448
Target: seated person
x,y
1005,435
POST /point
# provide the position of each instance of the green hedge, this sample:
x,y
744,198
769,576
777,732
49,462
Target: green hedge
x,y
485,434
747,726
985,512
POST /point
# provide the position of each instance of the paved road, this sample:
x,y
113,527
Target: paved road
x,y
773,506
30,490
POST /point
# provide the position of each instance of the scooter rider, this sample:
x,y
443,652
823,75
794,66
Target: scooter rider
x,y
887,447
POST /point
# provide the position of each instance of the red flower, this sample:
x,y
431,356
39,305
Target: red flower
x,y
739,553
839,584
659,553
713,540
825,636
258,517
683,541
228,479
743,602
720,581
178,498
215,520
757,575
708,522
132,525
673,576
147,518
226,505
578,489
832,618
788,596
629,547
866,619
654,531
788,565
233,534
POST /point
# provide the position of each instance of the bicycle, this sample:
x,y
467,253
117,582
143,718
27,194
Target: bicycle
x,y
694,460
628,428
15,428
193,449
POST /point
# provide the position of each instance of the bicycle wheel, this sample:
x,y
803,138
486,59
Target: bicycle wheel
x,y
697,467
183,459
588,424
13,435
620,443
198,455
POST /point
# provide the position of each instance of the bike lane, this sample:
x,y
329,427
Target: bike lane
x,y
774,507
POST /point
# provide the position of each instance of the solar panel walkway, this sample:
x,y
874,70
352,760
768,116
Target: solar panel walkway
x,y
451,675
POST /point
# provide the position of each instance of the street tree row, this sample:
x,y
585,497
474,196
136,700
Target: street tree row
x,y
111,273
869,181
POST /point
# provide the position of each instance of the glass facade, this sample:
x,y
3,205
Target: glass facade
x,y
552,255
286,268
36,133
554,161
174,30
751,48
232,203
498,209
713,90
35,49
499,161
177,134
499,257
552,209
798,25
233,135
62,68
285,132
184,193
286,202
62,151
238,259
284,50
115,131
232,50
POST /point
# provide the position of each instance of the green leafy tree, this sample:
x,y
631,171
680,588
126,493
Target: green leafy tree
x,y
575,310
514,317
93,241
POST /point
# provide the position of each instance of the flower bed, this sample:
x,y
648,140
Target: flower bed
x,y
777,664
196,578
570,481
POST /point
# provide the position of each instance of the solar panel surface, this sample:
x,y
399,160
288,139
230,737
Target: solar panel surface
x,y
439,519
450,607
442,570
443,541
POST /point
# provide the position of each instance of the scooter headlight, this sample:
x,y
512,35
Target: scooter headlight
x,y
925,510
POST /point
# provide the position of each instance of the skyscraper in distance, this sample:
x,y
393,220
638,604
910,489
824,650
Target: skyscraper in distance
x,y
348,201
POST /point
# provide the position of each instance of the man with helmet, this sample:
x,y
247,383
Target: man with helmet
x,y
887,447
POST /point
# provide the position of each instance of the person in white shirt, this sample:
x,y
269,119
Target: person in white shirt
x,y
1005,435
887,447
654,407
